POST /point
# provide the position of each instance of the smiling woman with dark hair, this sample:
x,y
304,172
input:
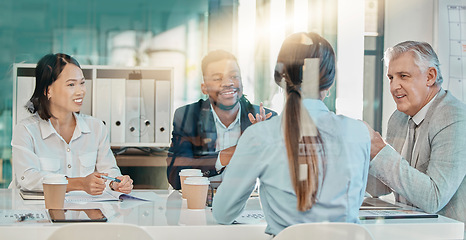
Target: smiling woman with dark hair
x,y
312,164
59,140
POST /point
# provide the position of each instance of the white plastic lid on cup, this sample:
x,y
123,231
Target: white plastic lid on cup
x,y
191,172
54,179
197,181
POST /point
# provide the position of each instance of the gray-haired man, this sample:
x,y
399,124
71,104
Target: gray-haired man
x,y
425,164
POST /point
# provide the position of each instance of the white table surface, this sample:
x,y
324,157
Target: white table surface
x,y
168,218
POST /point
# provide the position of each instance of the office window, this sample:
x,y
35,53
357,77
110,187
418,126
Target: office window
x,y
373,64
157,33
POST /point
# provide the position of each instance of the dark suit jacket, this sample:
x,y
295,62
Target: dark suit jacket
x,y
194,137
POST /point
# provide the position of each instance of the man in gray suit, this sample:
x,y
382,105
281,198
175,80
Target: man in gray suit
x,y
424,157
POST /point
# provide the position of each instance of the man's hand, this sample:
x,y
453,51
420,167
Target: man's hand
x,y
94,184
226,154
259,117
125,186
377,142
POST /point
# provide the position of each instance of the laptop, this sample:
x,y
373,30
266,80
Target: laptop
x,y
376,204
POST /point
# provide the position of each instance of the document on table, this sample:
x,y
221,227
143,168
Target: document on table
x,y
377,204
81,196
251,217
9,216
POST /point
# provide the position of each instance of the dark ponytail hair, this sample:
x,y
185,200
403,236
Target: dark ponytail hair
x,y
47,71
303,151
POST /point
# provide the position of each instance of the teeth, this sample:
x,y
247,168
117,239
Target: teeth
x,y
224,93
78,100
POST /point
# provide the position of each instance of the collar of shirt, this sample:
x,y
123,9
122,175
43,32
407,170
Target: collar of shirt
x,y
47,129
419,116
227,136
217,119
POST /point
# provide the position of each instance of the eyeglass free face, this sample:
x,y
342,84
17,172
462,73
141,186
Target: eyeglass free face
x,y
410,87
66,94
222,82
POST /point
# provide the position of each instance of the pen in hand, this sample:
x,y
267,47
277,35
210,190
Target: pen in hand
x,y
110,178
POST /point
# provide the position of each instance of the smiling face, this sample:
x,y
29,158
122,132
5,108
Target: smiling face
x,y
222,82
411,88
67,92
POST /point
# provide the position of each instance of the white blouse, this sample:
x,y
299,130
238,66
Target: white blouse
x,y
39,150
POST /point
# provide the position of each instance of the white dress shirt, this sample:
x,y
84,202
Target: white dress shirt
x,y
417,118
226,136
39,150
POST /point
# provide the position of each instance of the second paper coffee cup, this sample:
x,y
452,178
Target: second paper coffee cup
x,y
196,191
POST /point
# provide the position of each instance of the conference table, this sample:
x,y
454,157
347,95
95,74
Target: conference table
x,y
166,216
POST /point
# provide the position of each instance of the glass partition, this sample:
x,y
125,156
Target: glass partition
x,y
157,34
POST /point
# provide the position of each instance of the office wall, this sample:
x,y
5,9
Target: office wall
x,y
405,20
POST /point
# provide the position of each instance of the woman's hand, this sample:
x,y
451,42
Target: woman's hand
x,y
125,186
94,184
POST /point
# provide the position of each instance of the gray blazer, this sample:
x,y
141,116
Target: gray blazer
x,y
435,181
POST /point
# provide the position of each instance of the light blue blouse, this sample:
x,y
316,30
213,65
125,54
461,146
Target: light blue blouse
x,y
261,153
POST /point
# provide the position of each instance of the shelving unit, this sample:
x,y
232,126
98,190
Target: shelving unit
x,y
136,104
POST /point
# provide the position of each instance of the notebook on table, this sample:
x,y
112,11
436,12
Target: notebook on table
x,y
393,214
31,195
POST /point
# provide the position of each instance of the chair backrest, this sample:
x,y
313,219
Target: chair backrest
x,y
99,231
325,231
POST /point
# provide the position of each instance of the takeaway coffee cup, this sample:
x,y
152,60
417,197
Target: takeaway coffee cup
x,y
196,191
54,191
185,173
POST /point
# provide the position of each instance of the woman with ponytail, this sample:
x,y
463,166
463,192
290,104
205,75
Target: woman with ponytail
x,y
312,164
